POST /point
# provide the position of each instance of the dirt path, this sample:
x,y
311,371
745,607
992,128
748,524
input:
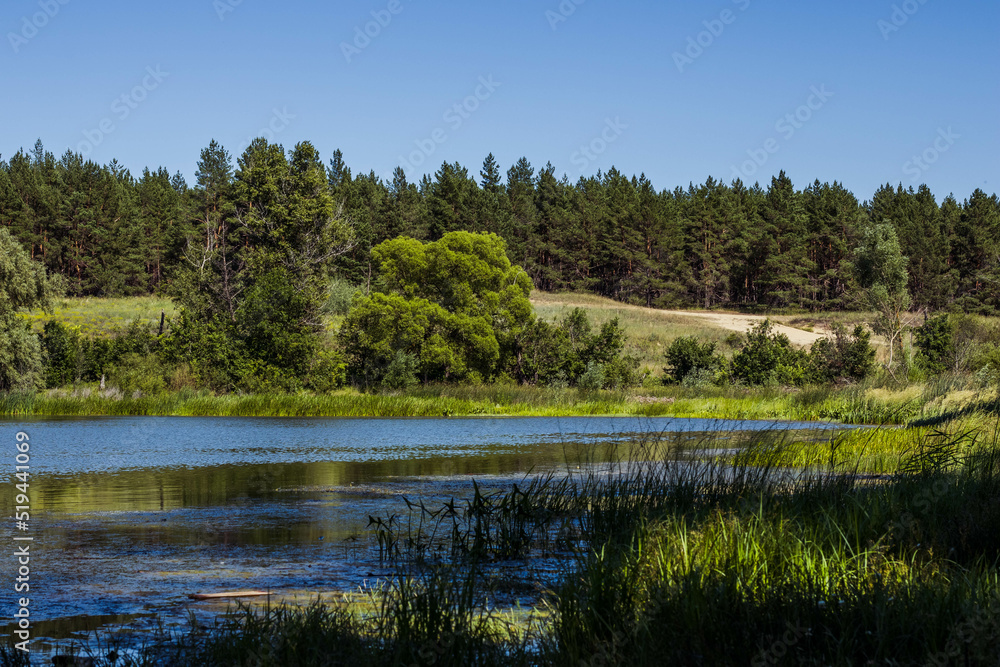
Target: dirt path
x,y
728,321
741,323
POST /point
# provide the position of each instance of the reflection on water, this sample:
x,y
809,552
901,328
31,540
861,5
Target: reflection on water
x,y
132,514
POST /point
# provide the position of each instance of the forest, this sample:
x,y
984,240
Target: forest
x,y
758,247
292,274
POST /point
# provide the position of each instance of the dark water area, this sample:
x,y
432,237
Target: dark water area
x,y
130,515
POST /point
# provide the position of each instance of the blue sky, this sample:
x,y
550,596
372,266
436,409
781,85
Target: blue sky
x,y
850,91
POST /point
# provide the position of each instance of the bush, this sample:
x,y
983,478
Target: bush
x,y
401,372
62,354
340,296
769,359
935,340
592,378
327,371
140,372
560,354
735,340
621,372
849,357
686,355
699,377
215,354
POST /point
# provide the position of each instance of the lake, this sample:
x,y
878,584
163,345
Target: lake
x,y
131,514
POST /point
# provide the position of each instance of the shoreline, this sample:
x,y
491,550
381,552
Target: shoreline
x,y
851,405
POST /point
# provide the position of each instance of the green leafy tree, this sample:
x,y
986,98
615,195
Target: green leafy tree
x,y
23,285
880,270
457,305
464,273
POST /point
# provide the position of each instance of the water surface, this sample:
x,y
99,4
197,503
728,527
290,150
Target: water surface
x,y
131,514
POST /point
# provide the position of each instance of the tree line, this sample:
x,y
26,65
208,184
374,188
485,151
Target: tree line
x,y
707,245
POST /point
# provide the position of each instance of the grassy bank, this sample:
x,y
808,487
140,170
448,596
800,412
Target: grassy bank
x,y
97,317
673,559
859,405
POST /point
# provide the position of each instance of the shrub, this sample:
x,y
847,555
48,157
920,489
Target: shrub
x,y
844,356
401,372
561,353
935,340
327,371
621,372
140,372
592,378
686,355
699,377
769,359
62,354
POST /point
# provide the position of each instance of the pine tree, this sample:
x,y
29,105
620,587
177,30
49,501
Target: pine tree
x,y
710,213
451,201
834,216
521,193
492,208
976,253
784,280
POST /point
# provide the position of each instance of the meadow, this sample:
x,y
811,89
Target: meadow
x,y
648,331
99,317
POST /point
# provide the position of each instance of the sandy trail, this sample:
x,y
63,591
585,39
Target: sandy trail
x,y
741,323
728,321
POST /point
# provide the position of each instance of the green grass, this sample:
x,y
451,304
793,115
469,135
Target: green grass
x,y
98,317
859,405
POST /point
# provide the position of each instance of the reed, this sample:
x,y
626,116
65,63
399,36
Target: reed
x,y
857,405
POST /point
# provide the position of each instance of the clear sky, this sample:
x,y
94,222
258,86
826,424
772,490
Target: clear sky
x,y
852,90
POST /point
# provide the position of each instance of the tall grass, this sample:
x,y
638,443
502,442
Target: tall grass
x,y
858,405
